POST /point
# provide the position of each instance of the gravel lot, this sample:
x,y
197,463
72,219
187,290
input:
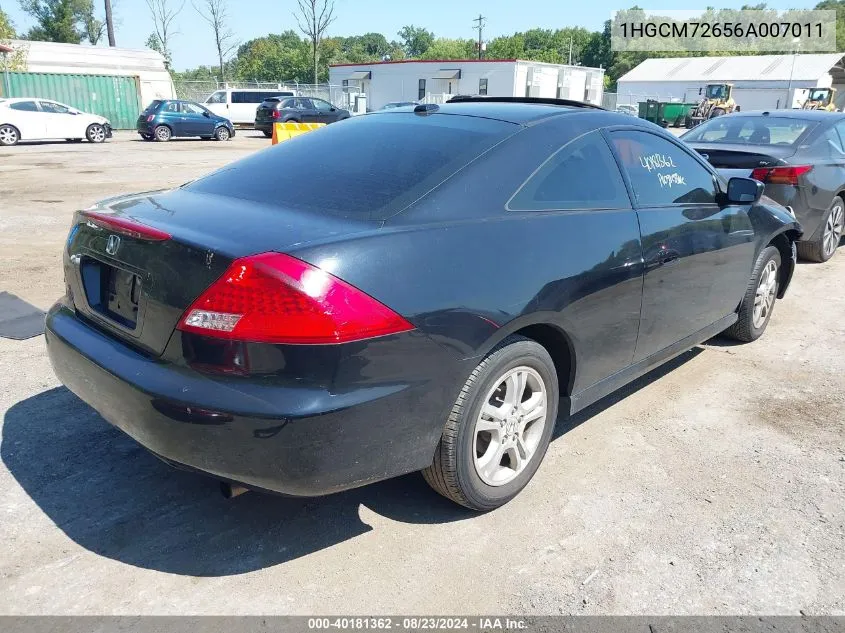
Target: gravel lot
x,y
713,486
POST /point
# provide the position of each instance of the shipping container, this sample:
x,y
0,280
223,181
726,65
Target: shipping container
x,y
112,96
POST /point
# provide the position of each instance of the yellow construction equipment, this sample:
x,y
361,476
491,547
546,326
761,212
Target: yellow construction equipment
x,y
286,131
717,100
820,99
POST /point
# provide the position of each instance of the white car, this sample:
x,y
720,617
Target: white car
x,y
43,119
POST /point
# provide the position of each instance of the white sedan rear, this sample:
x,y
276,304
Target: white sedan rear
x,y
43,119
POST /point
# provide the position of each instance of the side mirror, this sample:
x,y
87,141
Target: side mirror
x,y
206,115
744,190
699,92
334,109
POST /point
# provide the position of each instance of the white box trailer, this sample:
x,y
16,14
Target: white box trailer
x,y
436,81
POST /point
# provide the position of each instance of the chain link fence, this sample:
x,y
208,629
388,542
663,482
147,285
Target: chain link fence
x,y
200,90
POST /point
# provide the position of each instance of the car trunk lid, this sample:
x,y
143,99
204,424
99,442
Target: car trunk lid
x,y
741,160
136,284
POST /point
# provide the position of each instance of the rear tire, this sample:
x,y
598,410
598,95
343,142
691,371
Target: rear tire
x,y
830,234
760,298
482,462
9,135
222,134
95,133
162,133
268,134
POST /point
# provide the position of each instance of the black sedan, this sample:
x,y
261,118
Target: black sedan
x,y
798,154
305,323
295,110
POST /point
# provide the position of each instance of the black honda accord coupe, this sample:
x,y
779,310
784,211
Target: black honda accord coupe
x,y
304,322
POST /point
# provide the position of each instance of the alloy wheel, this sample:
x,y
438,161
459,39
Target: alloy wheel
x,y
833,228
764,299
8,135
510,426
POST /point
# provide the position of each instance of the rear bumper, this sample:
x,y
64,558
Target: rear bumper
x,y
294,440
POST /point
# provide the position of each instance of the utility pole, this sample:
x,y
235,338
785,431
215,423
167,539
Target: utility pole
x,y
110,24
480,28
570,50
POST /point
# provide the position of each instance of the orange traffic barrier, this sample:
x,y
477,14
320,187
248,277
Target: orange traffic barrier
x,y
286,131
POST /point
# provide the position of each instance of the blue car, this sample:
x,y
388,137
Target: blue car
x,y
164,119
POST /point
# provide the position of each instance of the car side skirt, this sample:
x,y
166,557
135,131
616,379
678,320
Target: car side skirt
x,y
605,387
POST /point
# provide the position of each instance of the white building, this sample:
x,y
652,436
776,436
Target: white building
x,y
761,82
436,81
154,81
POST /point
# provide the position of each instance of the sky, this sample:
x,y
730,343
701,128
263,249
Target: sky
x,y
194,45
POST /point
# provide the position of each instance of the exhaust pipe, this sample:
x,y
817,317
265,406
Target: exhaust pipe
x,y
230,491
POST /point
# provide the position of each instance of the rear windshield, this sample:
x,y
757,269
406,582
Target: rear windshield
x,y
762,130
370,166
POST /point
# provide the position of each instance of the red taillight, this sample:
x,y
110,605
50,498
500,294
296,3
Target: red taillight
x,y
125,226
277,114
150,118
787,175
276,298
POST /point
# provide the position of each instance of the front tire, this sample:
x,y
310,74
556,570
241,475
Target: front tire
x,y
222,134
760,297
716,112
499,428
824,247
162,133
95,133
9,135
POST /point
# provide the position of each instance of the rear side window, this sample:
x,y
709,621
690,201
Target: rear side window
x,y
217,97
26,106
828,145
662,173
580,175
247,96
368,167
153,106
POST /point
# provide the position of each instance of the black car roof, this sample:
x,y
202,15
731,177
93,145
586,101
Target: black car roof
x,y
520,113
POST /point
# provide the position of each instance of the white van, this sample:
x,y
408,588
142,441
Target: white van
x,y
239,104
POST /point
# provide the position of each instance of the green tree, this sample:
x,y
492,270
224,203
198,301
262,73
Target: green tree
x,y
155,44
415,40
7,30
839,7
60,20
275,58
444,48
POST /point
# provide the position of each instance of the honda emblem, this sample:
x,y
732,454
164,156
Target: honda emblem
x,y
113,244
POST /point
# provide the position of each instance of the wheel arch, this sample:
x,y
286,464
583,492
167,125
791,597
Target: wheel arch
x,y
783,241
553,339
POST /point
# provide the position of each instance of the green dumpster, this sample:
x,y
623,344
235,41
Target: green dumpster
x,y
665,113
648,110
676,113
